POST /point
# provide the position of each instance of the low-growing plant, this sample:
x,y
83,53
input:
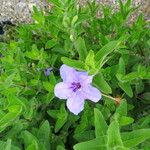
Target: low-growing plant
x,y
105,52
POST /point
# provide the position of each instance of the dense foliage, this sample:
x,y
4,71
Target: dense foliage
x,y
115,51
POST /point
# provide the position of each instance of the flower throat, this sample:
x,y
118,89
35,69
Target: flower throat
x,y
75,86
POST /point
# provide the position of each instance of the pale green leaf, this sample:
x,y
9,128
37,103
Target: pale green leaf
x,y
95,144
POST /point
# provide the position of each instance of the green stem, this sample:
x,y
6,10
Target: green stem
x,y
108,97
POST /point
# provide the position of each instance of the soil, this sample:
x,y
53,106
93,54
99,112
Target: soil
x,y
20,10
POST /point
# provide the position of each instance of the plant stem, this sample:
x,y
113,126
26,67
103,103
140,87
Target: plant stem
x,y
108,97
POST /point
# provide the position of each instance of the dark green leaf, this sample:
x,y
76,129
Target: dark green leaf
x,y
81,48
126,87
51,43
101,84
44,134
6,120
104,51
77,64
114,138
122,109
100,124
133,138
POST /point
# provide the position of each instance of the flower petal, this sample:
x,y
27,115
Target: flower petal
x,y
75,104
62,90
68,74
91,93
84,78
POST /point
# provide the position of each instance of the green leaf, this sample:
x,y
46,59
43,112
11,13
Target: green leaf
x,y
7,145
114,138
126,87
62,118
146,96
105,51
143,122
121,148
85,120
131,76
77,64
48,86
6,120
90,61
31,147
53,113
74,20
38,16
121,69
59,147
139,86
85,136
30,140
100,124
14,100
48,98
122,109
125,121
51,43
34,54
52,78
44,134
101,84
143,72
57,3
95,144
133,138
81,48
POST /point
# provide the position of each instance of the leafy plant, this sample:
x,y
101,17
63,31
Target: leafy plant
x,y
107,47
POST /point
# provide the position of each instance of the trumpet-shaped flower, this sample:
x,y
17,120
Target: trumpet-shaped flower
x,y
76,88
47,71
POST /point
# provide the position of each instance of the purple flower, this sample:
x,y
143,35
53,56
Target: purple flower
x,y
76,88
47,71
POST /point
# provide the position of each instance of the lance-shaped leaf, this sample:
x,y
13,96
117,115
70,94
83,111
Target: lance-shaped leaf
x,y
105,51
44,134
30,141
114,138
132,139
77,64
8,145
95,144
101,84
61,116
100,124
7,119
126,87
81,48
122,109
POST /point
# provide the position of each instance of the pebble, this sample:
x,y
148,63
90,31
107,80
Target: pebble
x,y
20,10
